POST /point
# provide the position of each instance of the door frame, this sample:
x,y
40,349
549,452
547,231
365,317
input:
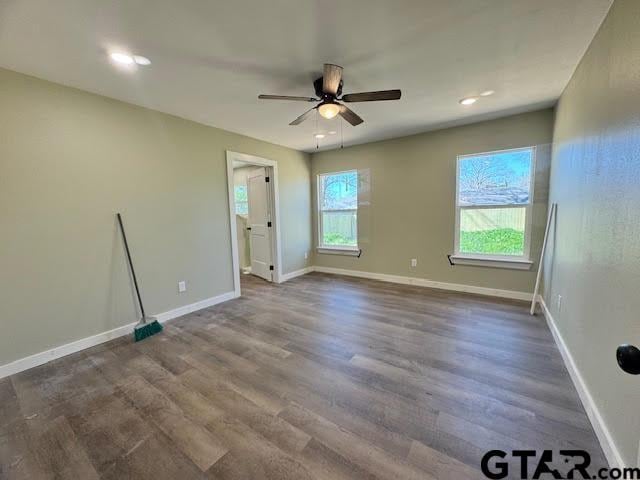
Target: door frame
x,y
274,197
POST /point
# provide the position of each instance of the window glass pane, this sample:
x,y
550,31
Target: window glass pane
x,y
242,204
339,191
497,231
242,208
240,192
340,228
502,178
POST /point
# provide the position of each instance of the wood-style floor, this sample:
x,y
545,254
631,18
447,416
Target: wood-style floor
x,y
323,377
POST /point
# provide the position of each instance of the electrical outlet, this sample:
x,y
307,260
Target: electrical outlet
x,y
414,262
182,286
559,303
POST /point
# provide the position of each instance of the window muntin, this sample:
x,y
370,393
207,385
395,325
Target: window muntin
x,y
338,210
494,198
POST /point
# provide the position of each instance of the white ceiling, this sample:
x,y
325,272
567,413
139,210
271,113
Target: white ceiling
x,y
212,58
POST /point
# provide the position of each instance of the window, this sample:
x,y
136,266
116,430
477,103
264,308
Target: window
x,y
493,205
338,210
242,202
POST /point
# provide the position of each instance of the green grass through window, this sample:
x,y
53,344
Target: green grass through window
x,y
337,239
504,241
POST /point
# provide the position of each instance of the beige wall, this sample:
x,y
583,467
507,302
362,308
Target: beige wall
x,y
595,179
68,161
409,211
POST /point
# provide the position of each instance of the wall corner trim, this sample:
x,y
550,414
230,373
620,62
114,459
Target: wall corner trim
x,y
41,358
605,438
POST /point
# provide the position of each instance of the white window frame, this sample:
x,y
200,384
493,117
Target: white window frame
x,y
333,249
519,262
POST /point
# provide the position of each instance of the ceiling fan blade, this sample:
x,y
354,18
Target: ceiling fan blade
x,y
350,116
303,117
331,77
287,97
372,96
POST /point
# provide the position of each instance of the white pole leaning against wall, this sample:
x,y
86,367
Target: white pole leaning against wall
x,y
552,211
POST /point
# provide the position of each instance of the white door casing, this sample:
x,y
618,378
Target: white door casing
x,y
233,157
259,223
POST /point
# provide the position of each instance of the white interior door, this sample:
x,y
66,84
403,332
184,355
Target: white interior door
x,y
259,221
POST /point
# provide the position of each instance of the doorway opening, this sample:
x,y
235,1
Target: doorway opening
x,y
252,184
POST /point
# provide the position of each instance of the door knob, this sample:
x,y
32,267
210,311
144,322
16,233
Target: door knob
x,y
628,357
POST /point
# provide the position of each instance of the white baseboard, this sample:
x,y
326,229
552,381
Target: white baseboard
x,y
599,426
41,358
297,273
421,282
194,307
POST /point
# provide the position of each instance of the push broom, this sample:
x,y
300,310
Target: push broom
x,y
147,326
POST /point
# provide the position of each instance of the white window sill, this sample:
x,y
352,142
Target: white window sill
x,y
353,252
479,261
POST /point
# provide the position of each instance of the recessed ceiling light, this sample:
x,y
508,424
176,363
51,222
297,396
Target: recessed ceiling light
x,y
122,58
469,101
487,93
332,132
319,135
140,60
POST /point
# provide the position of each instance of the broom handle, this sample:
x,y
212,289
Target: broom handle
x,y
133,272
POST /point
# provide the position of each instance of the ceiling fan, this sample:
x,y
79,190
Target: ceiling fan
x,y
328,88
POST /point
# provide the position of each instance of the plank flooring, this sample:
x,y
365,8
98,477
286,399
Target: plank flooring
x,y
323,377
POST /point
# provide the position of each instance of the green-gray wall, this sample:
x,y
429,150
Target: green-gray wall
x,y
595,249
68,161
409,211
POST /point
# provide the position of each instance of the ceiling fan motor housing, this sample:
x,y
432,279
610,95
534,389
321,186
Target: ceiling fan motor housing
x,y
317,85
328,91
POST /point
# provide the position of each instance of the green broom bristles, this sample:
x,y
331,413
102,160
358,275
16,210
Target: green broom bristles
x,y
146,330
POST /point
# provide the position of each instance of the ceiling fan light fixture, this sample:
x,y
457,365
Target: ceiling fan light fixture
x,y
329,110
